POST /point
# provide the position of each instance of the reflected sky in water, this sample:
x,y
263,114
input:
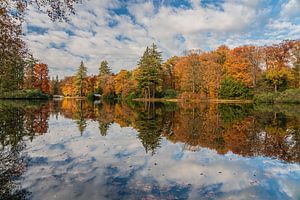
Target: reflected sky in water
x,y
68,162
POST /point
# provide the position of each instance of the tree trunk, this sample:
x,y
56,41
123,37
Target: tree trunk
x,y
275,88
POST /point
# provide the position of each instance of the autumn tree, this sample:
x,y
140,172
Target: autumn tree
x,y
222,53
109,87
79,78
279,77
276,56
90,84
149,70
67,86
254,56
121,82
41,78
56,10
211,73
277,59
187,71
239,67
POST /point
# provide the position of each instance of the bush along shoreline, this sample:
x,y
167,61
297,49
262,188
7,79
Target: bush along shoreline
x,y
24,94
287,96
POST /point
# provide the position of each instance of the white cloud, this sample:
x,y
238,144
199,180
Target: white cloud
x,y
291,9
96,33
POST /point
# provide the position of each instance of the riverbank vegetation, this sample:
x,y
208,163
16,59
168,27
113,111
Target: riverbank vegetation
x,y
245,72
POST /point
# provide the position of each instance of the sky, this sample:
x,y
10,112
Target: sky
x,y
119,30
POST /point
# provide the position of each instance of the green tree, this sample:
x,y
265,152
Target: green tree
x,y
231,88
29,72
104,68
79,78
149,71
55,85
13,52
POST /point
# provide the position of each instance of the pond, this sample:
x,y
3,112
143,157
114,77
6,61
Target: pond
x,y
74,149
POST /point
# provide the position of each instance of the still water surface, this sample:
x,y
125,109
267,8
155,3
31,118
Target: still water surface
x,y
74,149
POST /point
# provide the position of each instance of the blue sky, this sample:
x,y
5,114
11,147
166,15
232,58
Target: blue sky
x,y
119,30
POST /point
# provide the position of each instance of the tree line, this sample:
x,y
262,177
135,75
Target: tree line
x,y
222,73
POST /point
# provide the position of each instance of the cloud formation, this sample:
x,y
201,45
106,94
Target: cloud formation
x,y
119,31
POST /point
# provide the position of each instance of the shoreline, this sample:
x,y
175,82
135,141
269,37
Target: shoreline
x,y
246,101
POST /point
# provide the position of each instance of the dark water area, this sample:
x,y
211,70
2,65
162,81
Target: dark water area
x,y
74,149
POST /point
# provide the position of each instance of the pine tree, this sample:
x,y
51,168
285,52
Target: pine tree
x,y
104,68
149,76
79,79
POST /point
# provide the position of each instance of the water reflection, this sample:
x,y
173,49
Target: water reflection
x,y
189,150
246,130
19,121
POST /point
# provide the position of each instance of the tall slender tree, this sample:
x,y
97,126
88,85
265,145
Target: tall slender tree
x,y
79,79
149,69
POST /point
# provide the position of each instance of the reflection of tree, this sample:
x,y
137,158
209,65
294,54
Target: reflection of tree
x,y
149,124
279,136
12,165
79,117
11,125
241,129
105,117
20,119
195,125
103,127
38,119
243,132
234,112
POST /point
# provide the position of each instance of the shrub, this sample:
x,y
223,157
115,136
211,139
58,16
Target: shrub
x,y
233,89
268,97
131,96
24,94
170,93
287,96
90,97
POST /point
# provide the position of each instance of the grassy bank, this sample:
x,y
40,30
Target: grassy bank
x,y
287,96
24,94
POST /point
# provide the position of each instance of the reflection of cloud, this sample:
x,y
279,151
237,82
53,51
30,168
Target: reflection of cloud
x,y
116,166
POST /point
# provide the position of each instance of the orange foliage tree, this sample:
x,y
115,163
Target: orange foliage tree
x,y
67,86
238,66
41,78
